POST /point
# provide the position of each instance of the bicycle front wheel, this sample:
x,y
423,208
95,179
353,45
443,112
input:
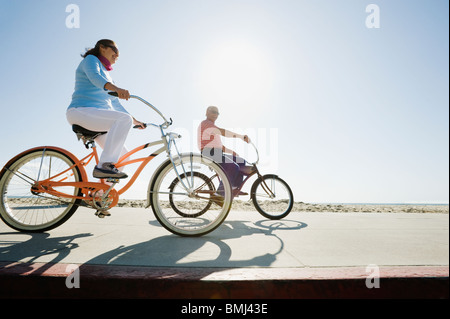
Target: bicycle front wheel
x,y
25,209
272,197
183,195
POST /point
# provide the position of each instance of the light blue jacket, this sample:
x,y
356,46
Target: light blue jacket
x,y
90,79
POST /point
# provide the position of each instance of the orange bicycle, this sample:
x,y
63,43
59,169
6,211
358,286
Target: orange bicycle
x,y
41,188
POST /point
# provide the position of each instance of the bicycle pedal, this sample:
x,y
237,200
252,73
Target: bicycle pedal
x,y
112,180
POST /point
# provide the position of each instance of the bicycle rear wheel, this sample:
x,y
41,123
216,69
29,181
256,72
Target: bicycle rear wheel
x,y
25,209
272,197
183,196
186,206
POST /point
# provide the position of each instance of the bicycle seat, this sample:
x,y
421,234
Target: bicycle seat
x,y
85,133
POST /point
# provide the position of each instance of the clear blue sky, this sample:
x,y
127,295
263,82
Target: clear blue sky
x,y
342,112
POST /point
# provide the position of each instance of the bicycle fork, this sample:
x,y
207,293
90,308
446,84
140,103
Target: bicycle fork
x,y
189,188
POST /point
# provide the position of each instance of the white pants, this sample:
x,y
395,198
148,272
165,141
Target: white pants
x,y
118,124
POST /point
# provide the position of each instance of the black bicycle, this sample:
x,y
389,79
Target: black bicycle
x,y
271,195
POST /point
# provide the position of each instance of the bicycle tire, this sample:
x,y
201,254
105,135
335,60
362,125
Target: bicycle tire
x,y
25,211
178,209
269,209
171,220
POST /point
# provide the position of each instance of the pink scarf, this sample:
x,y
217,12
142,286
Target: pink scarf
x,y
105,62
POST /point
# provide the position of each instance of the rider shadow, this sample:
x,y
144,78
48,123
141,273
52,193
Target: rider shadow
x,y
207,251
37,246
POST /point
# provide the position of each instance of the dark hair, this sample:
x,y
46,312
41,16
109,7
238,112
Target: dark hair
x,y
96,50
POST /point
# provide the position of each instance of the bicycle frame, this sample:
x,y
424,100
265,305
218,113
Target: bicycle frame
x,y
265,187
247,177
48,185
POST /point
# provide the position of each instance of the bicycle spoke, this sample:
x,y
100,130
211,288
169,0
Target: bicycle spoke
x,y
262,195
170,193
18,175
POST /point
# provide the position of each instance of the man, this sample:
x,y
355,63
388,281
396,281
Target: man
x,y
210,144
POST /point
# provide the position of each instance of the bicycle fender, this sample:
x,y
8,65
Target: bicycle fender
x,y
53,148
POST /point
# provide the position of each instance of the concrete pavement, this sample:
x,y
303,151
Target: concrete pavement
x,y
306,255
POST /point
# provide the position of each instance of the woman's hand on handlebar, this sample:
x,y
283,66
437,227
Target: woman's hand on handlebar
x,y
245,138
138,124
121,93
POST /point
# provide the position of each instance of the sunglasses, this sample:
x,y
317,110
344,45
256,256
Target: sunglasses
x,y
116,51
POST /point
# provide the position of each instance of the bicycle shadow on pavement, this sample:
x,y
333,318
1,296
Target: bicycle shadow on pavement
x,y
210,250
21,254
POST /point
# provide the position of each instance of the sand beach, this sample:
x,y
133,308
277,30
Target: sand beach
x,y
241,205
334,208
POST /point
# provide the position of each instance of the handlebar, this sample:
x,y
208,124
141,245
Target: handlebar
x,y
166,123
257,154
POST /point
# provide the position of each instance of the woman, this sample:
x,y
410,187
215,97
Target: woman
x,y
94,109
